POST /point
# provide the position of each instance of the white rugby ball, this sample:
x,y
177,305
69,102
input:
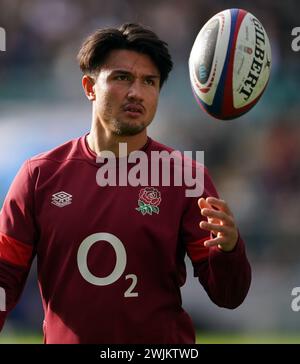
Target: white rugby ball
x,y
230,64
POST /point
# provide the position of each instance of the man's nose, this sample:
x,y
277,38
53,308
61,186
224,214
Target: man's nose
x,y
135,90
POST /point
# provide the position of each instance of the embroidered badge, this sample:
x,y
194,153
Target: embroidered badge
x,y
61,199
149,200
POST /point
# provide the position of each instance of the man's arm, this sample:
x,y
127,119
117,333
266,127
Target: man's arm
x,y
17,237
213,244
226,276
226,273
12,281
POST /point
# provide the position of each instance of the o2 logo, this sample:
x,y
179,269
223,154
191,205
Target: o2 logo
x,y
118,269
296,41
2,40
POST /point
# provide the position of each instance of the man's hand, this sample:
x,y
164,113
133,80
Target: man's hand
x,y
220,222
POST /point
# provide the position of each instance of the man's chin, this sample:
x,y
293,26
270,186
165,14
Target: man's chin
x,y
127,129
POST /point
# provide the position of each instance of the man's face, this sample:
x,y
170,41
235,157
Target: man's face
x,y
126,90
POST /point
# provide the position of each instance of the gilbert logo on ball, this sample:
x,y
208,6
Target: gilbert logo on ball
x,y
230,64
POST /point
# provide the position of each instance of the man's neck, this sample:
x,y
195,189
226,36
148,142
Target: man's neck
x,y
99,140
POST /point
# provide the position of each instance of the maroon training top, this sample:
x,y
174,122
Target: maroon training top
x,y
110,259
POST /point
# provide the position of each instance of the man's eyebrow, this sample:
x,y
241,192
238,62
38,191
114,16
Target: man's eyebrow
x,y
152,76
125,72
121,71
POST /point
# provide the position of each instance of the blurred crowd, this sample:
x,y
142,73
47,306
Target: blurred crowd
x,y
43,34
254,160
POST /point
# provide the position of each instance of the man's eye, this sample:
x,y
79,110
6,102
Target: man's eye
x,y
149,82
122,78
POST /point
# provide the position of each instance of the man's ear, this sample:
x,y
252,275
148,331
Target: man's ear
x,y
88,85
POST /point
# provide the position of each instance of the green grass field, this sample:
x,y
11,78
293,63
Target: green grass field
x,y
205,338
253,338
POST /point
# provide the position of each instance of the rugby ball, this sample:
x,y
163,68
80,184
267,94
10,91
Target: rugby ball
x,y
230,63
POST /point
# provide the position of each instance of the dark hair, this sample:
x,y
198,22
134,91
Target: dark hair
x,y
97,46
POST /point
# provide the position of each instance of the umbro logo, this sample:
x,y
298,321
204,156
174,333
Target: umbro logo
x,y
61,199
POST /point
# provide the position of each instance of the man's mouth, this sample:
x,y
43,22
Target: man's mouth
x,y
133,110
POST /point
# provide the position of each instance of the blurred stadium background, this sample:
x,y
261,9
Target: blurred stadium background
x,y
254,161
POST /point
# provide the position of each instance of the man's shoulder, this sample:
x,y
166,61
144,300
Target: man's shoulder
x,y
60,154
